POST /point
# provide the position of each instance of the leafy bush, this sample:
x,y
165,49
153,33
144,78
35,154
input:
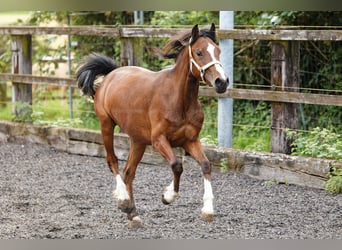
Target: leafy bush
x,y
321,143
23,112
318,143
334,183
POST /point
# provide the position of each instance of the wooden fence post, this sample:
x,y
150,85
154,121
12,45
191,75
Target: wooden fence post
x,y
131,52
284,77
21,46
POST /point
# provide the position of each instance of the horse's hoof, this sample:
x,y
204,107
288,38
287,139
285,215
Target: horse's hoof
x,y
167,199
135,222
207,217
125,206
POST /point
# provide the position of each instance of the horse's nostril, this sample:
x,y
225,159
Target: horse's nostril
x,y
221,85
221,82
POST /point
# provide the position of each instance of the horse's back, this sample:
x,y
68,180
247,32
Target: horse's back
x,y
131,78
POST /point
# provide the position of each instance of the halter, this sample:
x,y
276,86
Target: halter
x,y
199,68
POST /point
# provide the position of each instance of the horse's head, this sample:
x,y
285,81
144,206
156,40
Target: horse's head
x,y
204,56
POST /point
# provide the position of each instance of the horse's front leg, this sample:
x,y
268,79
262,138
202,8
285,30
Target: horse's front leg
x,y
194,148
162,145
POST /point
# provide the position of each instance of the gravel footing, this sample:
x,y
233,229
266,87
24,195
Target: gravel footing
x,y
50,194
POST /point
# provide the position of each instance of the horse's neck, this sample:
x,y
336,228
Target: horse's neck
x,y
191,90
187,86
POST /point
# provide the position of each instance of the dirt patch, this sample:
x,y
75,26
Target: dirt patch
x,y
50,194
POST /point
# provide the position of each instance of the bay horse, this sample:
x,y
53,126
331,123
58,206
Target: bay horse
x,y
156,108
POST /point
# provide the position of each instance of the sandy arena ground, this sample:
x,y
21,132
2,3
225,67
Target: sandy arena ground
x,y
51,194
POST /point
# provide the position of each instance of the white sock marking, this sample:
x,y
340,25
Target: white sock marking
x,y
208,198
120,192
169,194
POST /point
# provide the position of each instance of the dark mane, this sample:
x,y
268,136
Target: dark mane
x,y
177,43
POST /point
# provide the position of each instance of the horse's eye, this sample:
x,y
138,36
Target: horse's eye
x,y
199,53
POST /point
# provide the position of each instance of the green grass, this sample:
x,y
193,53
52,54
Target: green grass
x,y
49,108
45,110
253,139
5,112
251,130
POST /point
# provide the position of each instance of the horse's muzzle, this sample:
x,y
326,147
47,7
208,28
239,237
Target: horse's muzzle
x,y
221,85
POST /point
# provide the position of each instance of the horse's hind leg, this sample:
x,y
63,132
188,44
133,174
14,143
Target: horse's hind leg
x,y
107,131
135,154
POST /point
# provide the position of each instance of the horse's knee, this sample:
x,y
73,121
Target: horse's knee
x,y
177,167
206,168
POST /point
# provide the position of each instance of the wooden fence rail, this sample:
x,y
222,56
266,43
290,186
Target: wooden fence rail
x,y
133,32
235,93
284,96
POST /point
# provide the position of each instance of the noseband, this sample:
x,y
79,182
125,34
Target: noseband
x,y
199,68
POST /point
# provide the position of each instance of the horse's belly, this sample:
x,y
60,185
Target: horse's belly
x,y
137,127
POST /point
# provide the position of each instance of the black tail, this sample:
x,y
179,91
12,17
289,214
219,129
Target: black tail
x,y
96,65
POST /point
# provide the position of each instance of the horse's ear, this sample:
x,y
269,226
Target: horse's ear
x,y
212,30
194,33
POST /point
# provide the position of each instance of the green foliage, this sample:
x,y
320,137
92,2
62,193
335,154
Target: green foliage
x,y
318,143
171,18
46,17
320,61
5,54
224,165
208,139
208,133
297,18
23,111
5,66
334,183
37,118
86,113
27,113
252,123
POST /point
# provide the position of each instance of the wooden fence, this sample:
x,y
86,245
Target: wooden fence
x,y
284,95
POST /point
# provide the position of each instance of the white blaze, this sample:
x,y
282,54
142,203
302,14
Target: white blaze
x,y
211,50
